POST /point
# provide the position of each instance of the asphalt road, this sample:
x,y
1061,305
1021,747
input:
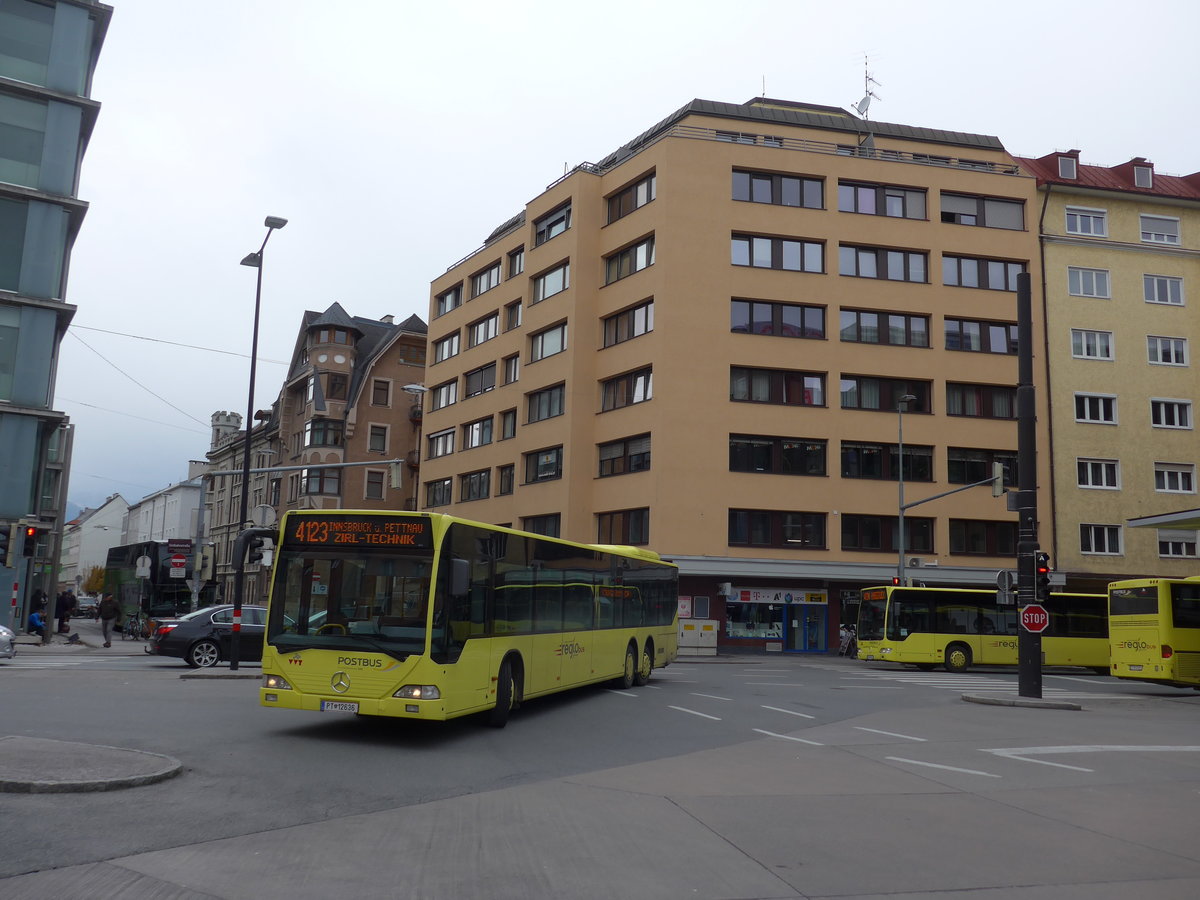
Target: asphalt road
x,y
782,777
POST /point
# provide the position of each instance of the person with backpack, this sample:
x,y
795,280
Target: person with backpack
x,y
109,611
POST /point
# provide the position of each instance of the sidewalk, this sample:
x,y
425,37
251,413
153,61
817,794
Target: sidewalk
x,y
89,637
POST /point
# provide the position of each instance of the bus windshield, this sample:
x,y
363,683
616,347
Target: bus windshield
x,y
367,601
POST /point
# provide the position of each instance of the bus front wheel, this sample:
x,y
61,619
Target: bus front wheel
x,y
958,658
505,694
642,675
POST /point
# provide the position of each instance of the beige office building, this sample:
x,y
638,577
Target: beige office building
x,y
704,343
1121,254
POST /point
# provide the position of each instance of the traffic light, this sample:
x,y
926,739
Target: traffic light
x,y
6,544
260,549
997,479
1041,575
29,547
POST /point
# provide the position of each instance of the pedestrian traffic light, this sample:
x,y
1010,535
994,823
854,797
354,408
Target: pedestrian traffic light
x,y
29,547
6,544
1041,569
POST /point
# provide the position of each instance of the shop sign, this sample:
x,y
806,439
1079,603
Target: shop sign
x,y
761,595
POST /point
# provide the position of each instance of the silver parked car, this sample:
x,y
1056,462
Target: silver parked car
x,y
8,643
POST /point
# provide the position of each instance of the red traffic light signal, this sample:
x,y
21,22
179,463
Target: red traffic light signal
x,y
29,545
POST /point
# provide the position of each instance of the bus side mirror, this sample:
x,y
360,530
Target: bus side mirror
x,y
460,577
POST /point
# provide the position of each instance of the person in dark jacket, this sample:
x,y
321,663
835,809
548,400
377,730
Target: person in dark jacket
x,y
63,607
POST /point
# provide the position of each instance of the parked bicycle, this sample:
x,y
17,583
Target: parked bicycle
x,y
136,628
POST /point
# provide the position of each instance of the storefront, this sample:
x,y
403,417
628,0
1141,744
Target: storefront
x,y
794,620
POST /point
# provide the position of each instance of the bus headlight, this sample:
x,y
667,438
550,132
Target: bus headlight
x,y
276,682
418,692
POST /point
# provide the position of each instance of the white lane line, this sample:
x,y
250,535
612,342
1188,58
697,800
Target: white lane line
x,y
774,683
787,737
790,712
653,687
917,762
1078,680
1023,754
694,713
870,687
621,693
907,737
709,696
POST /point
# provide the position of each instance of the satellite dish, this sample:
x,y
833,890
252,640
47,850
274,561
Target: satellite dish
x,y
863,105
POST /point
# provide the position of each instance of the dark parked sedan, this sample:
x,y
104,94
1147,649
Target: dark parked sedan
x,y
201,639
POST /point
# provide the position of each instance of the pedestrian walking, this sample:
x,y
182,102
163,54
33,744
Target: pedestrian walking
x,y
62,612
109,612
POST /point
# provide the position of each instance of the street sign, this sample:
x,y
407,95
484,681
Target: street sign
x,y
1034,618
142,569
1004,580
179,545
178,566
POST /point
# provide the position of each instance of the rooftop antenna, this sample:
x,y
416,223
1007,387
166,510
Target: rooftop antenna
x,y
865,103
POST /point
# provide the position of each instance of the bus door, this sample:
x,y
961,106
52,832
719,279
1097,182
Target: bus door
x,y
576,647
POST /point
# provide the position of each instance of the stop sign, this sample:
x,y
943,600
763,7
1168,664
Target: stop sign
x,y
1035,618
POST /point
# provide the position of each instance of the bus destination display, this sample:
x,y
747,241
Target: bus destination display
x,y
365,531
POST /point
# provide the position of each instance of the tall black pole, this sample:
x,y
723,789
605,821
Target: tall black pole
x,y
1029,644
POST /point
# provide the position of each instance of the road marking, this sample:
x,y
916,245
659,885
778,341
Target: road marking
x,y
917,762
621,693
694,713
869,687
787,737
710,696
774,683
907,737
790,712
1022,754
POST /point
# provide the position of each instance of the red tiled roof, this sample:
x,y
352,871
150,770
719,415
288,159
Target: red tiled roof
x,y
1115,178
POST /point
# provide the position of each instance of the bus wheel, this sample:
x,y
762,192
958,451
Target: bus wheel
x,y
958,658
625,682
642,675
505,692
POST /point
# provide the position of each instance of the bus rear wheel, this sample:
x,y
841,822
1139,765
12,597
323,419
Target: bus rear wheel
x,y
642,675
505,696
625,682
958,658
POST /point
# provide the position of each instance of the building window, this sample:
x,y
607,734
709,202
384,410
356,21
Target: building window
x,y
1167,351
475,485
878,533
548,342
543,465
516,262
980,337
1171,413
548,525
1091,222
637,195
1087,344
551,225
333,336
321,481
625,456
882,263
1100,539
441,443
477,433
898,329
777,253
778,319
323,433
546,403
881,200
782,386
967,465
443,395
1066,167
508,424
512,316
1163,289
483,330
776,455
504,479
780,190
373,485
985,401
1175,478
881,461
626,390
512,368
1087,282
485,280
1160,230
629,323
774,528
628,526
445,348
990,274
1097,473
988,212
448,300
736,137
479,381
1096,408
552,282
1177,543
336,385
381,393
863,392
377,438
983,538
438,493
628,261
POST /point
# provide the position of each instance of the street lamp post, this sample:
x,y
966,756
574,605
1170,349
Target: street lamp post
x,y
254,260
418,392
900,404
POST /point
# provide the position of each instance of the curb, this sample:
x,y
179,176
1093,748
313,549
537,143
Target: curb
x,y
1029,702
24,759
205,674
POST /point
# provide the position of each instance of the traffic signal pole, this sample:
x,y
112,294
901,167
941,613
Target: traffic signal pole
x,y
1029,644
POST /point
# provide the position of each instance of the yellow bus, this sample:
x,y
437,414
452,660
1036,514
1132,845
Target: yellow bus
x,y
428,616
928,627
1155,624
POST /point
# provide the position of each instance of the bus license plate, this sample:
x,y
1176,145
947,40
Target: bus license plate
x,y
338,706
1135,668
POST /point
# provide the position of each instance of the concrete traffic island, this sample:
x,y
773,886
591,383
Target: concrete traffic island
x,y
41,766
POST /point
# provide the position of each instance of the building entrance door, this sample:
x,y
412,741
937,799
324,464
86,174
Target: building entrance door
x,y
805,628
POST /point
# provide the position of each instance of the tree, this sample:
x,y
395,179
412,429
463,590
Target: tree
x,y
94,583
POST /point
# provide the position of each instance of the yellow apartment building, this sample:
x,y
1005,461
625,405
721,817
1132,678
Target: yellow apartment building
x,y
1120,254
714,343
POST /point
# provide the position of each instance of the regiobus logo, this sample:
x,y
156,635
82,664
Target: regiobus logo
x,y
1135,645
574,648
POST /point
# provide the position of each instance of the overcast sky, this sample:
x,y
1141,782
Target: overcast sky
x,y
395,135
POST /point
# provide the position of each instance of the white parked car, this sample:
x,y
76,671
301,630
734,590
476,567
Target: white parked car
x,y
8,643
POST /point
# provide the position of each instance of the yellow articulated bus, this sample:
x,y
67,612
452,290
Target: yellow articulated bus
x,y
428,616
929,627
1155,630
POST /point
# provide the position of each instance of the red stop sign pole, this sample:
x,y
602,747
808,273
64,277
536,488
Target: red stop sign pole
x,y
1034,618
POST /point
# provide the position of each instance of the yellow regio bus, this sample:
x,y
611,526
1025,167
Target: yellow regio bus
x,y
428,616
1155,628
929,627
